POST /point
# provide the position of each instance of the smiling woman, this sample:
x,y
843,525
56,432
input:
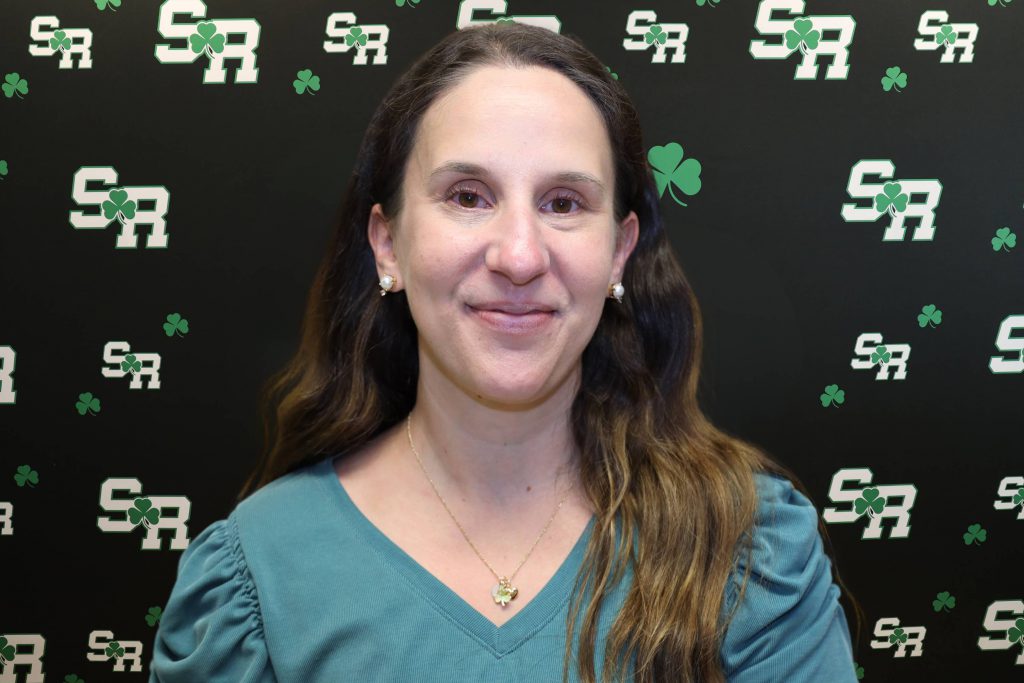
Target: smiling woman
x,y
493,416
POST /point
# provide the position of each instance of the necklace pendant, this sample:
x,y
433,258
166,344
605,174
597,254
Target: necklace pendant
x,y
504,592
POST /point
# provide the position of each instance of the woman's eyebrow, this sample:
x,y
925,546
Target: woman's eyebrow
x,y
478,170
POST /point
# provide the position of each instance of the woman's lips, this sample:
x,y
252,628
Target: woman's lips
x,y
512,323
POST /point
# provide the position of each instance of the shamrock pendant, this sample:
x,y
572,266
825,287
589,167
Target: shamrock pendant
x,y
504,592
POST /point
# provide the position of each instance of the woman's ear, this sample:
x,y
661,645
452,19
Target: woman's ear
x,y
379,234
625,242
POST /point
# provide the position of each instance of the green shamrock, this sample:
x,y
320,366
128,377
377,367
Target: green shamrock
x,y
869,502
946,34
801,36
1018,497
928,315
143,513
355,35
656,34
175,323
898,636
975,534
7,650
305,80
834,395
154,615
130,364
609,70
1014,634
102,4
710,3
118,206
87,403
115,649
3,168
1004,3
412,3
943,601
60,41
13,83
894,78
859,671
880,355
892,198
73,678
26,475
668,171
207,38
1004,239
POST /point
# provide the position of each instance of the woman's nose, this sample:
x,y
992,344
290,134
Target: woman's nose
x,y
519,249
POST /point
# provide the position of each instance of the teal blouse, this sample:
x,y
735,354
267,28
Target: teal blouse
x,y
297,585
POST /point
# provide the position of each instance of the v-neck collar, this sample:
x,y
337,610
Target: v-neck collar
x,y
499,639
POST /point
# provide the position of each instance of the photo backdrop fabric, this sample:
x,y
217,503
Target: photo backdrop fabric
x,y
841,180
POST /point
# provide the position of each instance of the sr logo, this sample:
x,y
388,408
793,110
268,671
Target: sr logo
x,y
469,11
69,42
211,38
153,513
940,34
121,204
642,24
898,199
813,36
361,37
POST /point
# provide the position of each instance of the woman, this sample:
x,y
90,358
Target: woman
x,y
493,410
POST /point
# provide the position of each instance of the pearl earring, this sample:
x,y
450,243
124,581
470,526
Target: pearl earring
x,y
386,283
617,290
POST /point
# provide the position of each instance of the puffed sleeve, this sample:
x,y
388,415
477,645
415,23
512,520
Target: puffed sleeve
x,y
211,628
790,626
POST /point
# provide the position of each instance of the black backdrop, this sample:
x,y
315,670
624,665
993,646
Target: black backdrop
x,y
798,300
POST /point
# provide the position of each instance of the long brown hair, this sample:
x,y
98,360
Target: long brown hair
x,y
681,489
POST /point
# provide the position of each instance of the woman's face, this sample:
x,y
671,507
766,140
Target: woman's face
x,y
507,200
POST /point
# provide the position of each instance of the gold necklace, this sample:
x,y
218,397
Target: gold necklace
x,y
502,592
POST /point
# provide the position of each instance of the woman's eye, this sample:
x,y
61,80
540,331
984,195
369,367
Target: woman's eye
x,y
561,204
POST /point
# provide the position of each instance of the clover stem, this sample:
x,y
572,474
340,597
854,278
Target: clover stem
x,y
803,48
674,195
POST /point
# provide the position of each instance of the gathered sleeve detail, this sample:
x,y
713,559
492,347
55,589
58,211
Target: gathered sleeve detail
x,y
790,626
211,628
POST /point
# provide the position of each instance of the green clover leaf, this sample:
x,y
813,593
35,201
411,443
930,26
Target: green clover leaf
x,y
880,355
668,171
710,3
943,601
14,84
115,649
154,615
801,36
7,650
130,364
1004,240
656,34
898,636
305,80
833,395
892,198
118,206
1018,498
609,70
175,323
869,502
975,534
207,38
928,315
1004,3
859,671
87,403
102,4
73,678
894,78
400,3
1015,632
60,41
3,168
355,35
143,513
946,34
26,475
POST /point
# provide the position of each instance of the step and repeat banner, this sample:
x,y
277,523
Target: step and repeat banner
x,y
842,180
